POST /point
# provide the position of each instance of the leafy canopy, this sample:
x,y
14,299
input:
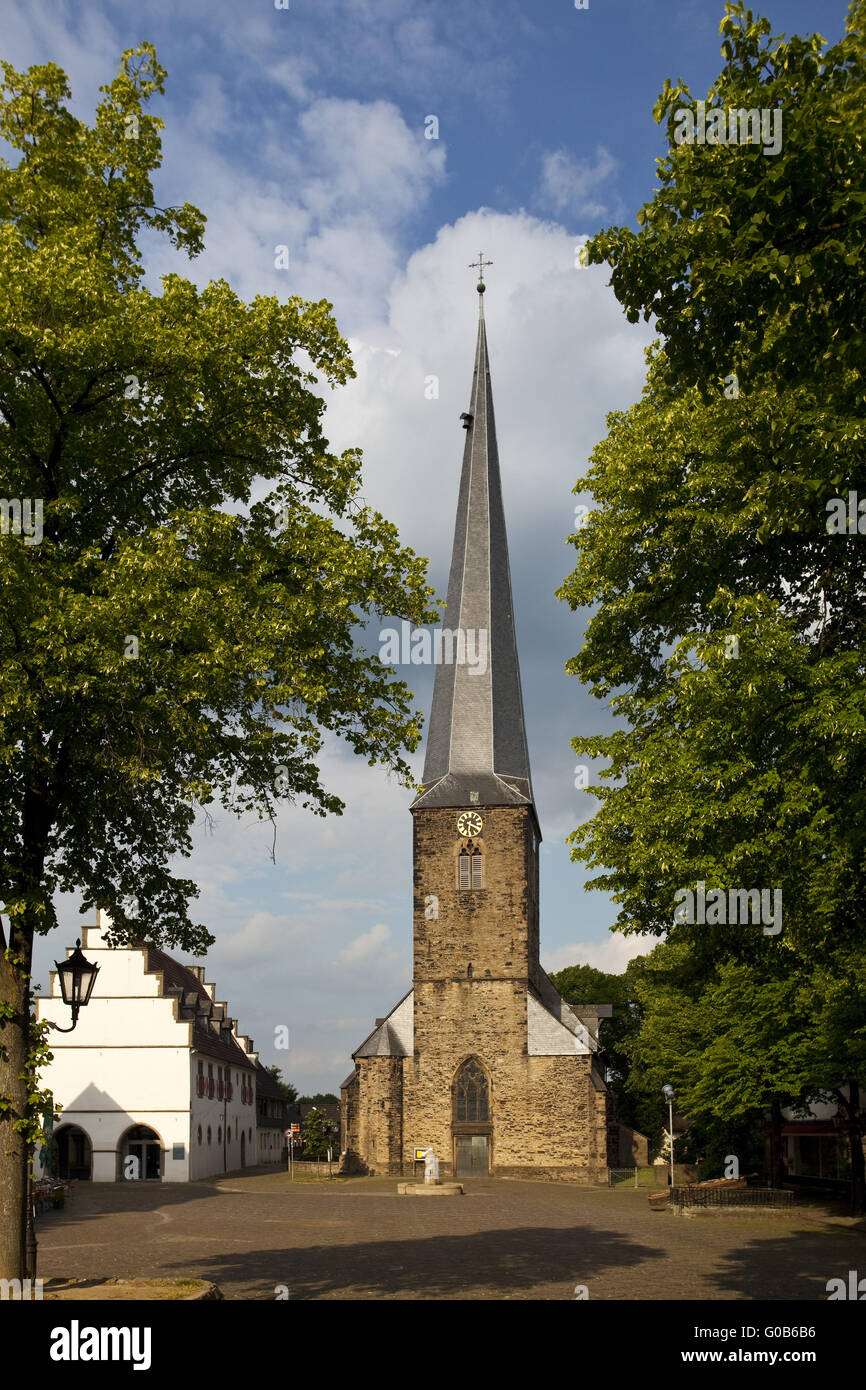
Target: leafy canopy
x,y
187,628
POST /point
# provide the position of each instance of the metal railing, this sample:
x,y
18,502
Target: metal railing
x,y
697,1196
630,1177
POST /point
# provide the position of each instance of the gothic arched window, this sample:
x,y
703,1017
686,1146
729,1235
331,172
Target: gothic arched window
x,y
471,1093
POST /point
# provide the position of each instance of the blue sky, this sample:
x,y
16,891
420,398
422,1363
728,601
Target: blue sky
x,y
305,127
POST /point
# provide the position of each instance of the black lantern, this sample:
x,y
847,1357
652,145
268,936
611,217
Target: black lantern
x,y
77,976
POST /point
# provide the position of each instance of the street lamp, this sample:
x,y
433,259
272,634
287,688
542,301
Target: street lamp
x,y
668,1093
77,977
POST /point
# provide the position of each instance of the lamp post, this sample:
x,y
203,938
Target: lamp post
x,y
668,1093
77,977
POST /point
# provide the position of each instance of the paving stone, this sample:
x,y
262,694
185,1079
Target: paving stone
x,y
356,1238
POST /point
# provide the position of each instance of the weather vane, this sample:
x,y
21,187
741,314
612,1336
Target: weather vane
x,y
479,266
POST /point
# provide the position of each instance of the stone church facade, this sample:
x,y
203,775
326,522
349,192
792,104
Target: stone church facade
x,y
481,1059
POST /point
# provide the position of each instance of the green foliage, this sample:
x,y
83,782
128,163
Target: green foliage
x,y
321,1098
319,1134
726,626
289,1092
749,262
37,1101
144,421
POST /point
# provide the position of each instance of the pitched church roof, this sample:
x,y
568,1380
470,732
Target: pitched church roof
x,y
476,747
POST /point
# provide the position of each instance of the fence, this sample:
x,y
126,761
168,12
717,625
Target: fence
x,y
697,1196
630,1177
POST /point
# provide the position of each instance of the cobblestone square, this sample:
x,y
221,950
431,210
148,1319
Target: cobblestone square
x,y
357,1239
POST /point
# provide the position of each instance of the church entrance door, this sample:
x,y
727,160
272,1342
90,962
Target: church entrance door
x,y
471,1156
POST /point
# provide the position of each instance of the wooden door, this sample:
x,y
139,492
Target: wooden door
x,y
471,1156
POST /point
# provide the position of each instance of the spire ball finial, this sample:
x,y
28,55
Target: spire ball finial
x,y
479,266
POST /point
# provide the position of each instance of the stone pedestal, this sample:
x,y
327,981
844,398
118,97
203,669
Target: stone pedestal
x,y
430,1189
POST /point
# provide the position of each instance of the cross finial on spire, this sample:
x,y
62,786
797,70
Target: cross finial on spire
x,y
479,266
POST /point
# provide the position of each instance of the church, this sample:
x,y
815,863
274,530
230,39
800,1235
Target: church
x,y
481,1060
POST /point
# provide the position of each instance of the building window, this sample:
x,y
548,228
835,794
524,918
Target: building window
x,y
470,869
199,1134
471,1093
220,1135
229,1134
208,1134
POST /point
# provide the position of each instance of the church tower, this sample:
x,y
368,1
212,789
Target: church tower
x,y
482,1060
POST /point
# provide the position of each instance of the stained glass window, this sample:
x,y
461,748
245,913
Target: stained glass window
x,y
471,1094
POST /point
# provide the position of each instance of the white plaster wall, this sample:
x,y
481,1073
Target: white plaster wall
x,y
208,1161
105,1130
129,1062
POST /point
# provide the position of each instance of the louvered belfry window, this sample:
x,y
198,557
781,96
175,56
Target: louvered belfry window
x,y
471,870
471,1094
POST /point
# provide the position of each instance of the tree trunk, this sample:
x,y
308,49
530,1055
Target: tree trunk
x,y
37,818
14,1151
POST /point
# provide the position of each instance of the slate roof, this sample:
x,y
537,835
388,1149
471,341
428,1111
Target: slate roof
x,y
477,739
385,1039
183,982
266,1086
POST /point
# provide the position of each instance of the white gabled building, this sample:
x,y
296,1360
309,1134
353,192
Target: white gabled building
x,y
155,1082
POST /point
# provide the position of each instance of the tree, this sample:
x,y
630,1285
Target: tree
x,y
729,632
319,1135
288,1091
735,1040
167,643
320,1098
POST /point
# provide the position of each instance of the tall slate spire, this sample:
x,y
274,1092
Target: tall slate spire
x,y
476,747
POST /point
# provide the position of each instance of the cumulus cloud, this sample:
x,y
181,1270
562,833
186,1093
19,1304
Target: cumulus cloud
x,y
366,948
569,186
611,955
342,181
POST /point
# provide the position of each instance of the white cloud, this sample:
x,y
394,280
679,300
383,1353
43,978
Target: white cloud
x,y
362,158
569,186
611,955
366,948
338,189
340,180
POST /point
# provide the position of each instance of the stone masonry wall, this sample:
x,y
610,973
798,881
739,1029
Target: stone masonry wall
x,y
378,1126
546,1115
490,927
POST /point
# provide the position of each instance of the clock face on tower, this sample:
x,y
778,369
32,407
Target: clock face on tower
x,y
469,823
